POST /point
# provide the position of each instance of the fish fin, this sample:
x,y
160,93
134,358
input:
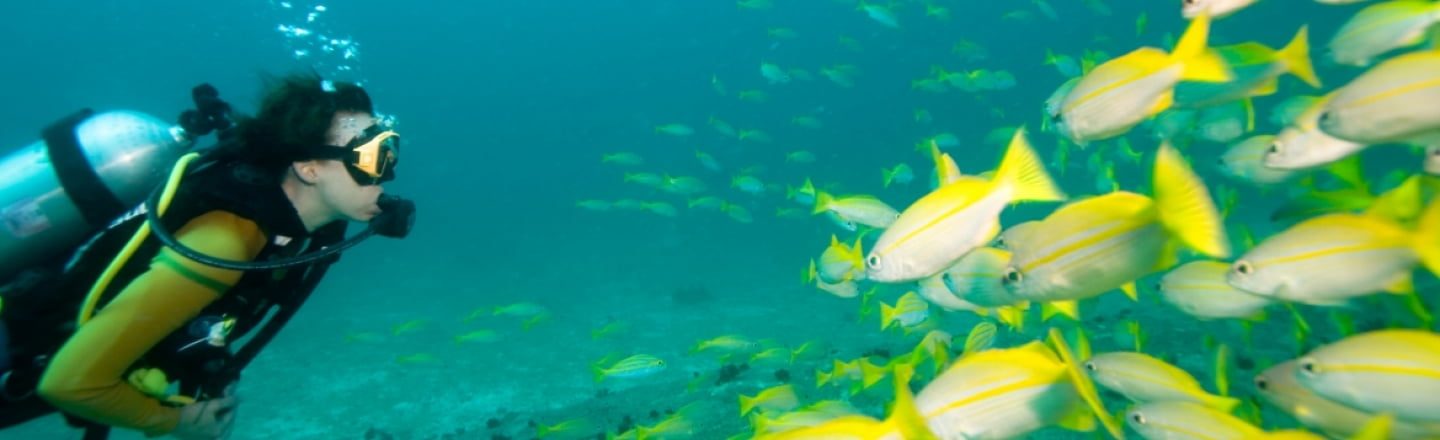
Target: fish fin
x,y
1351,171
1249,106
1427,237
904,416
858,252
1377,428
1163,102
1082,383
1222,382
1403,284
1129,289
1267,87
1185,207
1081,419
822,202
598,372
870,374
1401,203
1025,172
1011,316
1201,63
747,403
1070,309
1296,56
887,315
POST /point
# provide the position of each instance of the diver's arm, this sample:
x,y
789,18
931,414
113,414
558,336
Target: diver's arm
x,y
85,377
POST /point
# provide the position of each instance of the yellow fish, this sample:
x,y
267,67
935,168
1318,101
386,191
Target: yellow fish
x,y
951,221
1199,289
865,210
1391,102
1215,8
1380,28
1279,387
975,279
1303,145
1100,244
1187,420
1143,379
904,422
775,399
1245,161
1119,94
839,262
1329,259
1003,393
1395,371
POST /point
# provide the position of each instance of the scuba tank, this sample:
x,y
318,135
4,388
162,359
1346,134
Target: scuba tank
x,y
85,171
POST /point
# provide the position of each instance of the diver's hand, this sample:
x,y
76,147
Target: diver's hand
x,y
207,419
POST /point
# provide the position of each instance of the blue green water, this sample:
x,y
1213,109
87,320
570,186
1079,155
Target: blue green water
x,y
506,108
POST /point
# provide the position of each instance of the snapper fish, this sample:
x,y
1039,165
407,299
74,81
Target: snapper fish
x,y
774,73
1119,94
1394,371
958,217
1106,242
1392,102
1332,258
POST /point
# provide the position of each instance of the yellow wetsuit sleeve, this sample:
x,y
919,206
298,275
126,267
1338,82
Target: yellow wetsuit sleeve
x,y
86,376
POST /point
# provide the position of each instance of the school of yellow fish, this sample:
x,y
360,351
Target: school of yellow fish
x,y
1343,239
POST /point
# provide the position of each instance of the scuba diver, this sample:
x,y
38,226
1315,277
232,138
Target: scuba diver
x,y
229,247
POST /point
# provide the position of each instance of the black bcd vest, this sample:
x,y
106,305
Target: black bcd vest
x,y
42,317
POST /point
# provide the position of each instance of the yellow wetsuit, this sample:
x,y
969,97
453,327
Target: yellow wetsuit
x,y
86,377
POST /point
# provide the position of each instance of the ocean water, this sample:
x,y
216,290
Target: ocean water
x,y
506,109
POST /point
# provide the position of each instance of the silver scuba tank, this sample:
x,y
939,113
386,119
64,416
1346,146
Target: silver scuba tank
x,y
86,171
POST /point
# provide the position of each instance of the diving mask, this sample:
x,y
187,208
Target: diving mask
x,y
371,157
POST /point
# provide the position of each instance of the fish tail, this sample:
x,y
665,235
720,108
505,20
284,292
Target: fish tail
x,y
811,275
1025,172
822,202
870,374
1185,207
747,403
1082,383
1070,309
598,372
887,316
822,378
888,176
904,416
1427,243
1201,64
1296,55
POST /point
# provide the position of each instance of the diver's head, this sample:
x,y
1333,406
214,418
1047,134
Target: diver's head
x,y
323,142
345,173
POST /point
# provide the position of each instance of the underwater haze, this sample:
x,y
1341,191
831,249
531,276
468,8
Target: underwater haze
x,y
614,223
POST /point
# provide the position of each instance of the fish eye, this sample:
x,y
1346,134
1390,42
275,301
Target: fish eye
x,y
1012,276
1138,418
873,261
1262,384
1090,366
1308,366
1244,267
1274,148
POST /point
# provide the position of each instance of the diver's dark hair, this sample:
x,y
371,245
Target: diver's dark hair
x,y
294,116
